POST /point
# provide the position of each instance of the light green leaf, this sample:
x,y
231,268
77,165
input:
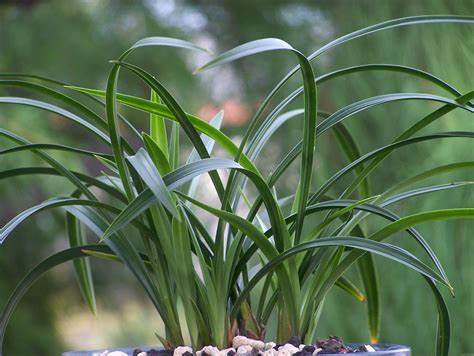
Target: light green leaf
x,y
144,166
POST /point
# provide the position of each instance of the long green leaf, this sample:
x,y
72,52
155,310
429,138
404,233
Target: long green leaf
x,y
351,150
378,210
159,109
82,266
52,146
348,286
272,44
260,239
382,150
216,121
405,21
428,174
370,279
158,128
158,157
388,230
52,162
172,180
36,273
27,171
435,115
180,115
111,102
94,117
365,245
390,24
31,82
144,166
56,110
48,204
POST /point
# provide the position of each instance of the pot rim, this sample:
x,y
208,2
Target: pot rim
x,y
387,350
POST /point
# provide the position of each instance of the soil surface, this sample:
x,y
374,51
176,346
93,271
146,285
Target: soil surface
x,y
332,345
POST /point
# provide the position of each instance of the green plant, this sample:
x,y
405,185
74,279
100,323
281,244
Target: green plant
x,y
294,261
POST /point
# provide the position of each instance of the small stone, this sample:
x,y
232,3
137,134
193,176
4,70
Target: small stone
x,y
270,352
283,352
244,349
369,348
289,347
211,351
317,351
238,341
242,340
269,345
332,345
180,350
142,354
256,344
116,353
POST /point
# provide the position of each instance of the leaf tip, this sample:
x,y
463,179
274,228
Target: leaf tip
x,y
93,309
374,340
451,290
198,70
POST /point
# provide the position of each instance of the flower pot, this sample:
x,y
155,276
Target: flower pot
x,y
128,351
381,349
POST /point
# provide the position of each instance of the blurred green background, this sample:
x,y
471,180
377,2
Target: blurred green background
x,y
72,41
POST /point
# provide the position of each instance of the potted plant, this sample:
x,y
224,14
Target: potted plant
x,y
283,255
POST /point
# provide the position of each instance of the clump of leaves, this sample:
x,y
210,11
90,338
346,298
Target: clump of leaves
x,y
294,248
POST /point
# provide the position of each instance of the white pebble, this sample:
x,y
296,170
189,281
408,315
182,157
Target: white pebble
x,y
104,353
283,352
369,348
289,347
142,354
211,350
315,352
242,340
302,346
244,349
269,352
269,345
257,344
238,341
116,353
178,351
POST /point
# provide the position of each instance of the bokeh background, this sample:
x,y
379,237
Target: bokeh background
x,y
73,40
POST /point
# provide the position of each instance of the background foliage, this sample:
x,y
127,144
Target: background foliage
x,y
72,41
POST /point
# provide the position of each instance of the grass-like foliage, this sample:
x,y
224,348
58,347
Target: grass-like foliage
x,y
287,253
